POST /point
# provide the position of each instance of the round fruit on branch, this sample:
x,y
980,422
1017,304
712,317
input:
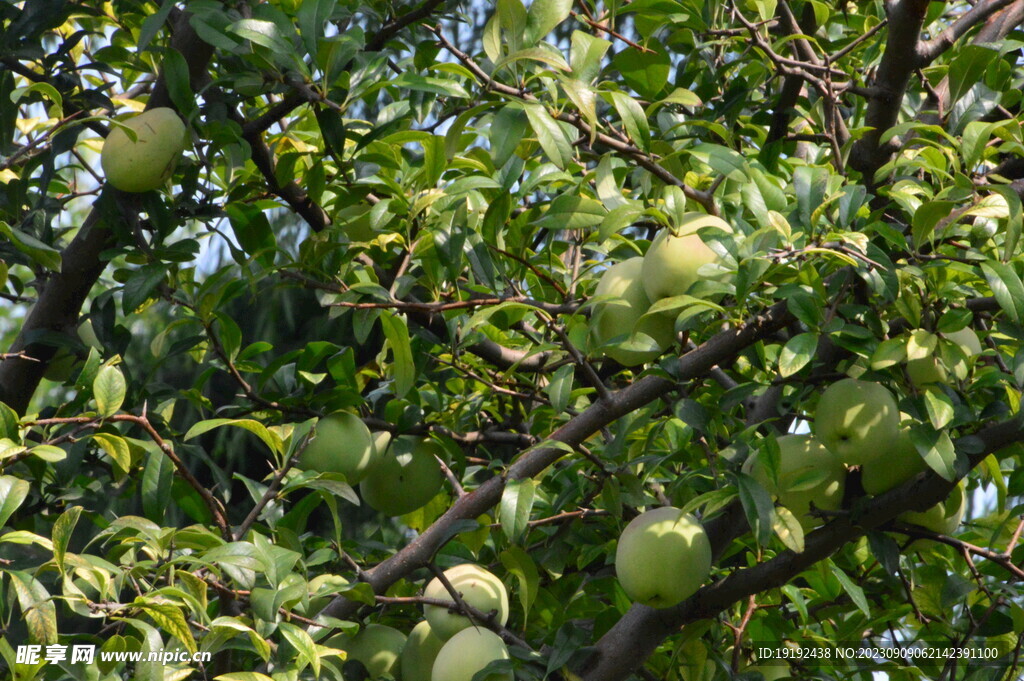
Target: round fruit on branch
x,y
808,474
406,478
663,557
341,444
148,161
857,420
672,261
467,653
619,323
476,587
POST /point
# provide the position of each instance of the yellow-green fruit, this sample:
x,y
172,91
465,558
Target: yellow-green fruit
x,y
772,672
341,444
375,645
857,420
147,162
406,478
663,557
925,370
897,464
421,649
466,653
808,473
477,587
620,317
671,263
942,518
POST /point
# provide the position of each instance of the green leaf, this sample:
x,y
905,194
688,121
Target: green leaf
x,y
263,33
559,389
506,132
243,676
571,211
155,490
926,217
645,72
539,54
403,369
543,16
63,527
152,24
38,612
797,353
109,389
32,247
553,140
303,644
1013,221
13,492
512,19
585,55
1006,287
633,119
967,68
516,504
722,160
855,593
939,408
169,618
311,17
758,507
269,438
518,562
936,449
788,529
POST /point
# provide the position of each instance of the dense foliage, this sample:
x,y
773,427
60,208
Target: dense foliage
x,y
402,212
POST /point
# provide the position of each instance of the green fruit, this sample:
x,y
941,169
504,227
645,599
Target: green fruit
x,y
808,473
376,646
149,161
663,557
466,653
477,587
895,466
958,357
87,334
341,444
671,263
856,420
642,339
407,477
942,518
421,649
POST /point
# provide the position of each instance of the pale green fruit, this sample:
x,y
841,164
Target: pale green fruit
x,y
671,263
897,464
406,478
477,587
149,161
925,370
646,338
375,645
421,649
663,557
857,420
942,518
808,473
342,444
466,653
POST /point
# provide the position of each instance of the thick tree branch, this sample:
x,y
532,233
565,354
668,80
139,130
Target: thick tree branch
x,y
718,349
890,84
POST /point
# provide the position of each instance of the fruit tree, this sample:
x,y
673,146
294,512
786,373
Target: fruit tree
x,y
346,339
